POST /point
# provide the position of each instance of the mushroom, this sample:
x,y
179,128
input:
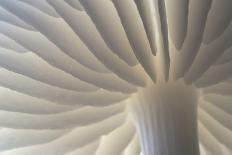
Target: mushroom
x,y
108,77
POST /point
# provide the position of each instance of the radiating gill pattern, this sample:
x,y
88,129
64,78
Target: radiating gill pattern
x,y
79,77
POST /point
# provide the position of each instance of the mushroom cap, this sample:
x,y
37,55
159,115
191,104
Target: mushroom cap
x,y
69,68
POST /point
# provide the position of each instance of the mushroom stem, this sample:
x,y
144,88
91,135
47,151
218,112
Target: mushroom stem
x,y
165,115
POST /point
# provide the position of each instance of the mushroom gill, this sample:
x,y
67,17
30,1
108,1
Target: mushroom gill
x,y
115,77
